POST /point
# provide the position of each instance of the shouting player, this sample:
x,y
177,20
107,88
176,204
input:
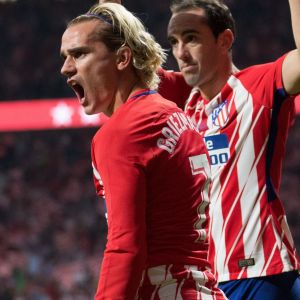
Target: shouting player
x,y
150,163
244,117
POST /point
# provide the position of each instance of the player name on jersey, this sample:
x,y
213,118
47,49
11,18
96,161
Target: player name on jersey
x,y
177,124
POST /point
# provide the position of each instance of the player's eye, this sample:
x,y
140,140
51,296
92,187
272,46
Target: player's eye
x,y
78,54
191,38
173,42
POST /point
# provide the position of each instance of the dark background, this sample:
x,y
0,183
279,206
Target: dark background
x,y
52,226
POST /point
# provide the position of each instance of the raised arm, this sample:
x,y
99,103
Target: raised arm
x,y
110,1
291,65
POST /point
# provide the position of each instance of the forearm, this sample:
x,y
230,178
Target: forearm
x,y
125,195
121,271
110,1
295,15
290,68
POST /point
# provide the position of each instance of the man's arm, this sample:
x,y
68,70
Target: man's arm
x,y
110,1
291,65
125,195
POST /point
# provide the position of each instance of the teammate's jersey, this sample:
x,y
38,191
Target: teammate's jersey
x,y
245,129
154,167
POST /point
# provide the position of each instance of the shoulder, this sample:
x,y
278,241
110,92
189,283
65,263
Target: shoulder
x,y
148,108
170,75
173,87
267,74
261,69
263,82
137,121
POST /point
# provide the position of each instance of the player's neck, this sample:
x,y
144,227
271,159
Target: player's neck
x,y
211,88
126,88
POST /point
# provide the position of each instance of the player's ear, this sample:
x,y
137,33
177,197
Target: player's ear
x,y
225,39
124,56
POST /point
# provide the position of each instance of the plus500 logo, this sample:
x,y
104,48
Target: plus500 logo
x,y
218,149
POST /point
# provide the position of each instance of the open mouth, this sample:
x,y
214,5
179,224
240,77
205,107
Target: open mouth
x,y
79,91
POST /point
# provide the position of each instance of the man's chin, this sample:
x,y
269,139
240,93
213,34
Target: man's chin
x,y
190,80
92,110
88,110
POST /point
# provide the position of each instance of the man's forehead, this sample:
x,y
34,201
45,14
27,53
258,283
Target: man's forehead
x,y
79,33
187,20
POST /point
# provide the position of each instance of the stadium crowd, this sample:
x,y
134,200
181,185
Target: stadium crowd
x,y
51,220
52,225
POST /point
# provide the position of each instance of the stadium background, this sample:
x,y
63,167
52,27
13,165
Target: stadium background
x,y
52,226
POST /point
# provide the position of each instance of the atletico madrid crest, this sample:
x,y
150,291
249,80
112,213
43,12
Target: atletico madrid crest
x,y
220,114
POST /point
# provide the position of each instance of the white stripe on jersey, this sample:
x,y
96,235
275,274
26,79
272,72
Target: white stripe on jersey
x,y
178,293
245,162
284,225
281,246
250,213
238,150
258,243
263,273
242,123
167,285
98,177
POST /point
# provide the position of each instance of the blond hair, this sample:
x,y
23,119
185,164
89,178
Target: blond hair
x,y
119,27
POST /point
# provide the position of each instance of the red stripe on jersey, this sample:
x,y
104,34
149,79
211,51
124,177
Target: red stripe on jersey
x,y
245,220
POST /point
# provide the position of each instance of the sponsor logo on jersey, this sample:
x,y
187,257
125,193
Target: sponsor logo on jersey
x,y
218,149
220,114
177,123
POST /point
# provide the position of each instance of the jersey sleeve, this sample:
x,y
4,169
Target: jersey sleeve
x,y
266,81
124,180
96,176
173,87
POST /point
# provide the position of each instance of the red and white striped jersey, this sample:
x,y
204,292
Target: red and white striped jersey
x,y
154,167
245,129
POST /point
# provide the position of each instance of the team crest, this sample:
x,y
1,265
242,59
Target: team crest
x,y
220,114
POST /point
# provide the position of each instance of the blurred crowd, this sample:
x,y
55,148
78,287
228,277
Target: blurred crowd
x,y
52,225
52,228
31,32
